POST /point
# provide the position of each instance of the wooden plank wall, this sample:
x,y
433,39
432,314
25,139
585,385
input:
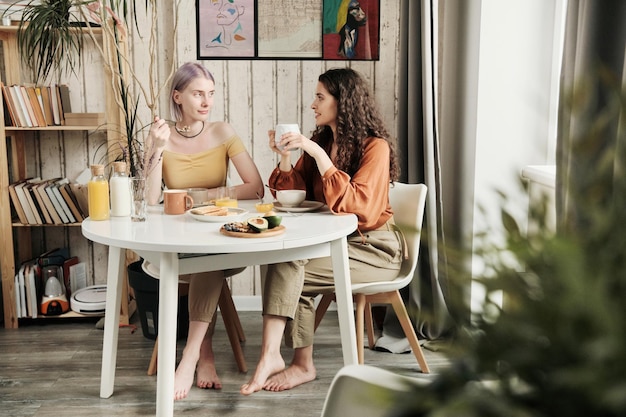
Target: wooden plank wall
x,y
252,95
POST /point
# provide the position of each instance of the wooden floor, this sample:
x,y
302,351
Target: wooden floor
x,y
53,369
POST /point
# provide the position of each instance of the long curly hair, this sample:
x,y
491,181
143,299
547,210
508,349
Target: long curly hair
x,y
358,120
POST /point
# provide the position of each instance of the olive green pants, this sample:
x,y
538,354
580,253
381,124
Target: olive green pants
x,y
290,288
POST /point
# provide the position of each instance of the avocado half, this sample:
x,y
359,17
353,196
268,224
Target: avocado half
x,y
273,221
258,224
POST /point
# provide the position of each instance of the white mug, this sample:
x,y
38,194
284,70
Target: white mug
x,y
283,128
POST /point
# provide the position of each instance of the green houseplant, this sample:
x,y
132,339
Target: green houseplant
x,y
47,36
51,38
556,345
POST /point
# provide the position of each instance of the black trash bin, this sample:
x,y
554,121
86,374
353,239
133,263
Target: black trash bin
x,y
146,289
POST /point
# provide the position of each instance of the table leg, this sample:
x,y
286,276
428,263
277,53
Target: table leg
x,y
168,311
111,320
343,293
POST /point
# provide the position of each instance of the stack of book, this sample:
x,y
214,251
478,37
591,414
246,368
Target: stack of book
x,y
51,201
84,119
30,106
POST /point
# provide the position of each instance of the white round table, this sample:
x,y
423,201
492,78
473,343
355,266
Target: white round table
x,y
160,240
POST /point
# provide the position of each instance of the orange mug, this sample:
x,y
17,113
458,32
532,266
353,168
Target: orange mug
x,y
176,201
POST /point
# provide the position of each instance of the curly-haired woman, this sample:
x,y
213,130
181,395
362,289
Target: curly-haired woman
x,y
349,164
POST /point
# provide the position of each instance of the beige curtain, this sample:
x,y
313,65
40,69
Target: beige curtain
x,y
592,129
418,148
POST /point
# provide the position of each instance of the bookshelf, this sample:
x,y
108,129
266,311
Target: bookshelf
x,y
13,158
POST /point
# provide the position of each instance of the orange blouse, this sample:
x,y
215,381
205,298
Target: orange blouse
x,y
365,194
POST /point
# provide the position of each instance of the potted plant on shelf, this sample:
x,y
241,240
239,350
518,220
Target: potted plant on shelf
x,y
49,41
47,37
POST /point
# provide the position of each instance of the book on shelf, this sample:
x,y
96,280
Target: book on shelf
x,y
54,104
45,104
44,212
67,275
41,189
70,200
21,292
18,100
29,107
21,195
26,297
80,192
25,301
33,202
9,107
31,289
60,104
78,276
34,102
16,203
84,119
66,209
64,95
18,297
55,202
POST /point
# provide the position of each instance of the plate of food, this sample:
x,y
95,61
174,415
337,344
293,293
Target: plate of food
x,y
216,214
255,227
305,206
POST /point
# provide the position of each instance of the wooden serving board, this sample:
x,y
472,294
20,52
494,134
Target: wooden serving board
x,y
268,233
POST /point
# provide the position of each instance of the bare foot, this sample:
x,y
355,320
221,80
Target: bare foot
x,y
289,378
184,377
207,375
267,367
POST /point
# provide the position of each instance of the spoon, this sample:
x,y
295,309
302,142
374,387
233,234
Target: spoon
x,y
270,188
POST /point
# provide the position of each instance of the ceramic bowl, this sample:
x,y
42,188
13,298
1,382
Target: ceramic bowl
x,y
290,198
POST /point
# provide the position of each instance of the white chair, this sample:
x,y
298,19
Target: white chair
x,y
365,391
408,202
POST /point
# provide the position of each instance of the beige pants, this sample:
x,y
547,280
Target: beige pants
x,y
204,294
289,288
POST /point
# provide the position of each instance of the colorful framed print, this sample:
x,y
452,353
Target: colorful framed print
x,y
226,28
351,29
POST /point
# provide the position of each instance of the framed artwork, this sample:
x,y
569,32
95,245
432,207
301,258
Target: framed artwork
x,y
288,29
351,29
226,28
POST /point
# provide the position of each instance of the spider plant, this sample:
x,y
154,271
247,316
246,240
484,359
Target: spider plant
x,y
47,38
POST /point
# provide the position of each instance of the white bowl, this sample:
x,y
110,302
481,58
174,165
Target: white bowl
x,y
290,198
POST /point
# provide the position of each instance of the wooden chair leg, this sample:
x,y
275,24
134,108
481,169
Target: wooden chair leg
x,y
360,307
228,305
322,307
228,315
369,324
152,368
405,322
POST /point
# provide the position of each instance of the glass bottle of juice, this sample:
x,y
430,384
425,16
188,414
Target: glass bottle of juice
x,y
120,191
98,194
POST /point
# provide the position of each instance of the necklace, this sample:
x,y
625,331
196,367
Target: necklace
x,y
186,129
